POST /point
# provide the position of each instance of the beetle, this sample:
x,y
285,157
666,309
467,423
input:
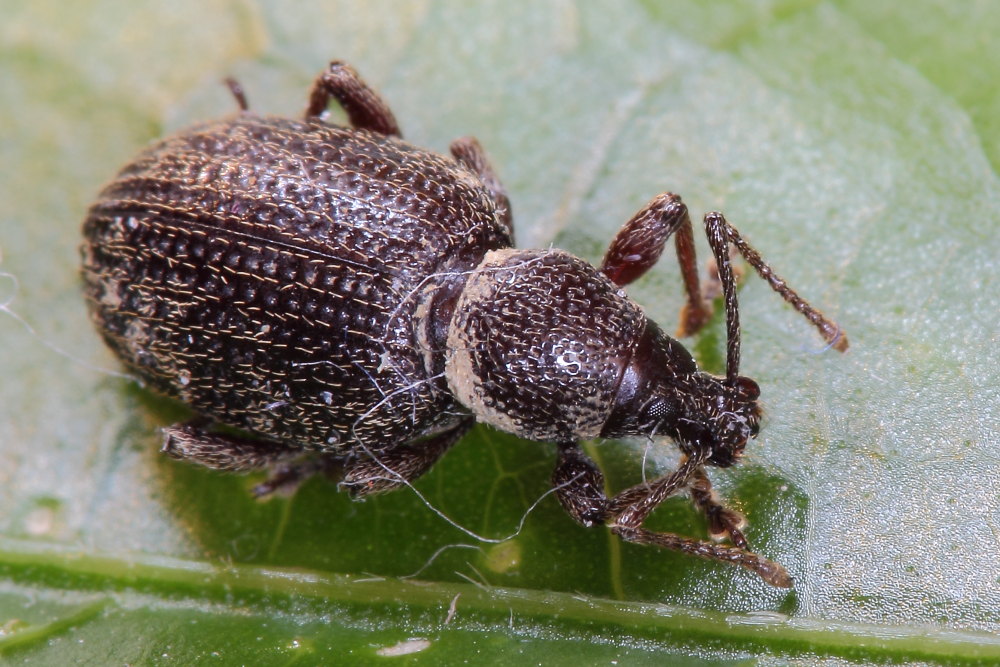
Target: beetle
x,y
354,304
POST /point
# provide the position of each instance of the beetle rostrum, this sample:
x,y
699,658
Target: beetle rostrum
x,y
354,303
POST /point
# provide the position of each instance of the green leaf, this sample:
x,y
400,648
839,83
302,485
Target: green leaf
x,y
855,143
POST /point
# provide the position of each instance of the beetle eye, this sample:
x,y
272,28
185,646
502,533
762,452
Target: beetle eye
x,y
747,388
656,411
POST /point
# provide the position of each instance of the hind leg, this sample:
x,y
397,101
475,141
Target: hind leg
x,y
192,441
291,465
365,109
362,474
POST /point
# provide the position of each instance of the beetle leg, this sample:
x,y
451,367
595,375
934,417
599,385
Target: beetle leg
x,y
400,465
640,242
291,465
191,441
365,109
470,154
722,521
579,485
771,572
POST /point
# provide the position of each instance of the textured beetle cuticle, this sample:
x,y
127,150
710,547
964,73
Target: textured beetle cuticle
x,y
354,303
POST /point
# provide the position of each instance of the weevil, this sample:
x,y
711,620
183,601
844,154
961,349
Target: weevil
x,y
354,304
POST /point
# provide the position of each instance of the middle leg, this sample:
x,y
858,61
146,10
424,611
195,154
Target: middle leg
x,y
384,471
290,466
470,154
367,473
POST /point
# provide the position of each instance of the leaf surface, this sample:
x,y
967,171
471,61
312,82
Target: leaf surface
x,y
853,143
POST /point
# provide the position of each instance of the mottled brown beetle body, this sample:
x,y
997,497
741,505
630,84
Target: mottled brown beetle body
x,y
339,291
273,275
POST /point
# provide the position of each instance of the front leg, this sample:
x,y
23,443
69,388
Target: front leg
x,y
579,487
640,242
722,521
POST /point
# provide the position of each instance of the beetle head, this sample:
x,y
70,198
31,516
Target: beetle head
x,y
718,418
663,393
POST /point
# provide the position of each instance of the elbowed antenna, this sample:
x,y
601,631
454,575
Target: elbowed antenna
x,y
720,234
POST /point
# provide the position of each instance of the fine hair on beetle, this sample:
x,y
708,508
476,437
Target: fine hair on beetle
x,y
352,304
